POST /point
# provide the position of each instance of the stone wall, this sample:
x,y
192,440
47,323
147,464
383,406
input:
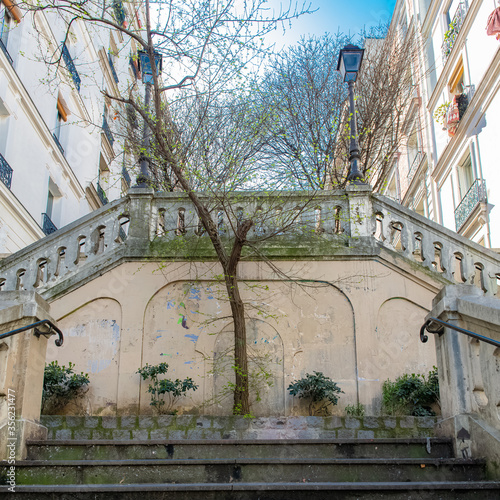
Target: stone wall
x,y
193,427
356,321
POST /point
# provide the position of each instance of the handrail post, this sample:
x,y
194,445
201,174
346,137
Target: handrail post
x,y
22,363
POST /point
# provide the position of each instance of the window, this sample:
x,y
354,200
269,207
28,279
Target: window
x,y
465,176
103,180
57,130
50,204
6,24
456,82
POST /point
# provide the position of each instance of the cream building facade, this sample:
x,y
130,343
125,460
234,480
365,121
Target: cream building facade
x,y
61,153
448,170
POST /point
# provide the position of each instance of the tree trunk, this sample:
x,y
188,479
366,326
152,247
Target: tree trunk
x,y
241,404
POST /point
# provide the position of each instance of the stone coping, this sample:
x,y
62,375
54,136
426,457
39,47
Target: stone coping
x,y
65,427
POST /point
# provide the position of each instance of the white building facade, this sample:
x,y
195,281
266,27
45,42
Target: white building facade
x,y
61,151
449,167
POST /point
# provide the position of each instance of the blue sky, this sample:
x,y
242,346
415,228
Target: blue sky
x,y
332,15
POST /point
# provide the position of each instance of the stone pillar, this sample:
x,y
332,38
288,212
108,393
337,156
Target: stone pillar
x,y
469,373
22,362
140,229
360,210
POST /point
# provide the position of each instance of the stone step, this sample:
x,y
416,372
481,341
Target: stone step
x,y
180,449
265,491
246,470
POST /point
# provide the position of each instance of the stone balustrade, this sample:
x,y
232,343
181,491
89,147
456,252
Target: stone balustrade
x,y
87,242
340,224
438,249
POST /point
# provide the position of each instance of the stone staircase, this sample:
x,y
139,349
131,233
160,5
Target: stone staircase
x,y
248,467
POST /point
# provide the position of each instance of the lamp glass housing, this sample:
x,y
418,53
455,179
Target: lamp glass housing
x,y
350,62
146,70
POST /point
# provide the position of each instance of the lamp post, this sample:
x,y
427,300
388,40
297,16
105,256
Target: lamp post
x,y
144,177
350,59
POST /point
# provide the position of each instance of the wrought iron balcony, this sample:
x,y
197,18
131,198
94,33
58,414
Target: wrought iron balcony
x,y
71,67
5,51
47,225
5,172
454,28
102,194
119,11
126,176
415,164
112,66
107,131
475,195
61,149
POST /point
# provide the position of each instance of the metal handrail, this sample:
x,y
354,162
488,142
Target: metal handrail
x,y
58,342
440,330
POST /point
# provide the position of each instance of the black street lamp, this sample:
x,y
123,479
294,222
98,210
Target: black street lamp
x,y
350,59
144,177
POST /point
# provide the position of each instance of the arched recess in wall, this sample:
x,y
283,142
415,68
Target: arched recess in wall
x,y
173,328
324,327
398,348
92,342
314,322
265,365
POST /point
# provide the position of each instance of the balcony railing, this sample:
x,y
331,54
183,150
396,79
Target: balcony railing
x,y
414,166
5,172
102,194
61,149
112,66
71,67
454,28
475,195
107,131
5,51
126,176
47,225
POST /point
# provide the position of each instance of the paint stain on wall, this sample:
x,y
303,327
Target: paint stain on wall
x,y
192,337
98,365
183,321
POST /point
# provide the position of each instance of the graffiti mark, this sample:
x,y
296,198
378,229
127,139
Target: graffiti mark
x,y
192,337
170,304
158,336
188,362
165,354
182,305
194,294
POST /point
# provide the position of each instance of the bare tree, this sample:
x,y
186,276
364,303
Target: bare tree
x,y
197,140
309,140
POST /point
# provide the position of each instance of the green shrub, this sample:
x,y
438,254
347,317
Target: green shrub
x,y
317,388
60,386
159,389
411,394
357,410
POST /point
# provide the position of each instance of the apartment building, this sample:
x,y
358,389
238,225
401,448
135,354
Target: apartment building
x,y
61,151
448,168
